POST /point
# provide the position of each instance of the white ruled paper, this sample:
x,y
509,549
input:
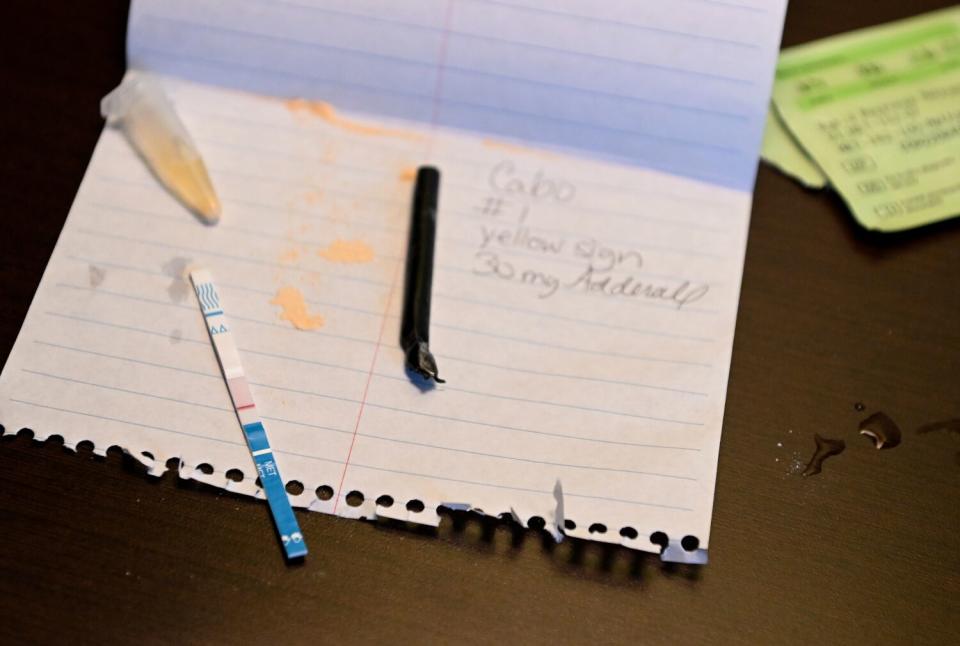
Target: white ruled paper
x,y
583,310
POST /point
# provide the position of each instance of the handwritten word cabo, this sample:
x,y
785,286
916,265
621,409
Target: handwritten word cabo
x,y
505,177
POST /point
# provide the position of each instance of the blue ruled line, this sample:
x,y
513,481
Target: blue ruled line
x,y
573,77
312,44
502,337
437,296
353,464
257,439
495,395
382,406
537,10
584,18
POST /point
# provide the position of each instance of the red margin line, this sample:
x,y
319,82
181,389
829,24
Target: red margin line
x,y
437,89
441,63
366,387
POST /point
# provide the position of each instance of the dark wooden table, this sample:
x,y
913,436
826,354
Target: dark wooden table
x,y
92,550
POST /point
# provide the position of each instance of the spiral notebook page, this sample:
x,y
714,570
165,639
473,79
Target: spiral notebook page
x,y
583,317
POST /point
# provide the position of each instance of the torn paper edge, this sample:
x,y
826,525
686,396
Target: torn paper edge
x,y
551,513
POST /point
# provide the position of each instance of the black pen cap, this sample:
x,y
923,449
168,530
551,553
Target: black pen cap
x,y
426,190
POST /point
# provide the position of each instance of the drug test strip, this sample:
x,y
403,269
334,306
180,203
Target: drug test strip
x,y
226,351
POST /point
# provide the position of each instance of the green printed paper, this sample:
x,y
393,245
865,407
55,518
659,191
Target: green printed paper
x,y
781,150
879,112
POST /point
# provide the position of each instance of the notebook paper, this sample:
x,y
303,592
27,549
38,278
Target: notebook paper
x,y
583,316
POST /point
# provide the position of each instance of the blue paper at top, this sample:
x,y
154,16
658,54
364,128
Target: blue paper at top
x,y
679,86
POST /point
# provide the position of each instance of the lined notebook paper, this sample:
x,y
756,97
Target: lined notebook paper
x,y
587,272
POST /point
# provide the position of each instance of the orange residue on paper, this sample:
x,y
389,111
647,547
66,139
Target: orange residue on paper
x,y
312,197
290,255
326,112
294,309
349,251
408,174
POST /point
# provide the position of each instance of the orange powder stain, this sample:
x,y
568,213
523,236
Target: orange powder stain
x,y
326,112
290,255
408,174
295,309
347,251
312,197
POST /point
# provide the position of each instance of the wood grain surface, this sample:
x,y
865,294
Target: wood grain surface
x,y
93,551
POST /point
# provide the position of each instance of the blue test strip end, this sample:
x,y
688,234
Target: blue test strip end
x,y
295,550
294,547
